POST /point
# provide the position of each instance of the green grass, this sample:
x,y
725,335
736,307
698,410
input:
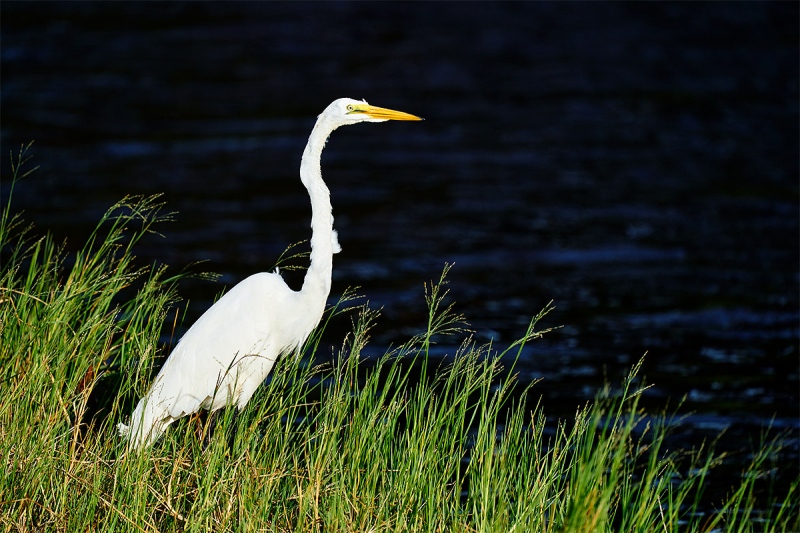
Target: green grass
x,y
396,443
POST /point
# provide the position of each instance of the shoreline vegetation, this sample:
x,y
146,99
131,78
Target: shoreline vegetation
x,y
353,444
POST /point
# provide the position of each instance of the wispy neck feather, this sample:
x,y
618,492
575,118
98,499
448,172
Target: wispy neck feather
x,y
317,283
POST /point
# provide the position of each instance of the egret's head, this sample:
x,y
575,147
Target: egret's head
x,y
349,111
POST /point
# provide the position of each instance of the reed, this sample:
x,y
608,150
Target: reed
x,y
401,442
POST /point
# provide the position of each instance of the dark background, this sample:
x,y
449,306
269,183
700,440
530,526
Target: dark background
x,y
636,163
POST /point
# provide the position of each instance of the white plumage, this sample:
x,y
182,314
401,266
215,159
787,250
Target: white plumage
x,y
232,347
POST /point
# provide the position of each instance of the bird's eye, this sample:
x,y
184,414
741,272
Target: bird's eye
x,y
350,107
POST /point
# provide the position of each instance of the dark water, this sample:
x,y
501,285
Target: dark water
x,y
635,163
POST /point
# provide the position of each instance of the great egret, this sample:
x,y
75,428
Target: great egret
x,y
230,350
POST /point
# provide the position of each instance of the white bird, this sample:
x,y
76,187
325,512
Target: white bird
x,y
230,350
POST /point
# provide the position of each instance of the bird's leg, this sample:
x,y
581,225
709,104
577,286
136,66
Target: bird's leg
x,y
206,431
202,429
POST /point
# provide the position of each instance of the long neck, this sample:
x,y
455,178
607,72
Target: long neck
x,y
317,283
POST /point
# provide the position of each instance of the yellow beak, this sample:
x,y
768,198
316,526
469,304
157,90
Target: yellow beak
x,y
385,114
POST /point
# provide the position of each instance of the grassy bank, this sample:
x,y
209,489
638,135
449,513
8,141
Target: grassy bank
x,y
348,445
